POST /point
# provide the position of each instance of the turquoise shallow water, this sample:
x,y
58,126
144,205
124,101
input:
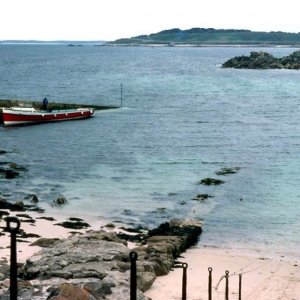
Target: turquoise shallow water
x,y
183,119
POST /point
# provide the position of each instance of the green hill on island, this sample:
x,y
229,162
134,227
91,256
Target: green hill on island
x,y
211,36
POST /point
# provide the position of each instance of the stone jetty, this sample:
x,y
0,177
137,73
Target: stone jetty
x,y
96,265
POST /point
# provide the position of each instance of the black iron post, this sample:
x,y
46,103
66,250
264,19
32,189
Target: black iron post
x,y
13,255
227,285
133,285
240,286
209,283
184,280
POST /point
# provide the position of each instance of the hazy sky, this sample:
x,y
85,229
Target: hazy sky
x,y
112,19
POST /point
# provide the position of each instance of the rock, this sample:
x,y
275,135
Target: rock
x,y
227,171
34,199
99,288
61,200
202,197
110,225
24,235
145,280
11,170
47,218
211,181
70,292
45,242
264,60
9,174
74,223
17,206
4,204
3,213
18,167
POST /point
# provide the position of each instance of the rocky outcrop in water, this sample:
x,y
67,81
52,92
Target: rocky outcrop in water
x,y
11,170
96,265
264,60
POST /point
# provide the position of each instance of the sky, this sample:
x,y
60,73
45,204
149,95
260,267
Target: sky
x,y
112,19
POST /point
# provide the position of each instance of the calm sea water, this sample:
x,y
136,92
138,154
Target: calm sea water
x,y
183,118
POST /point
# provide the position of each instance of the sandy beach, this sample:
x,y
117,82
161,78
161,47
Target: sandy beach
x,y
263,277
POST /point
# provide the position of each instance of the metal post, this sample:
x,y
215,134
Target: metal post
x,y
133,285
240,286
13,255
121,95
184,280
227,285
209,284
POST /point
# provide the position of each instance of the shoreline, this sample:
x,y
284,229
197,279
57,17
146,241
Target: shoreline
x,y
201,45
264,276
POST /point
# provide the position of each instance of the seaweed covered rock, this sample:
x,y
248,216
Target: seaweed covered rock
x,y
211,181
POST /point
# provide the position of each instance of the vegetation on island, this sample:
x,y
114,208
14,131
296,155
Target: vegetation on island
x,y
264,60
211,36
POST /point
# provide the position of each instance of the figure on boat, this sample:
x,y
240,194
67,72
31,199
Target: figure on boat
x,y
45,103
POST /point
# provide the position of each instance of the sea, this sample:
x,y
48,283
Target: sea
x,y
183,118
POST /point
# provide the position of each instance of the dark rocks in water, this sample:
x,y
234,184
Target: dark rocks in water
x,y
202,197
211,181
9,174
32,197
2,152
17,206
227,171
10,170
4,204
61,200
74,223
17,167
264,60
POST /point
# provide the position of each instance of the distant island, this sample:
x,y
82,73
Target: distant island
x,y
211,36
264,60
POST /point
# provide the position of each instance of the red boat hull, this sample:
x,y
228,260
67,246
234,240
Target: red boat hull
x,y
15,117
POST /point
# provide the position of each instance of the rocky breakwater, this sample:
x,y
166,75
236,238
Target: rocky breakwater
x,y
264,60
96,265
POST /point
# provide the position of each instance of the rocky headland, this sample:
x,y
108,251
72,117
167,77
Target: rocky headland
x,y
264,60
